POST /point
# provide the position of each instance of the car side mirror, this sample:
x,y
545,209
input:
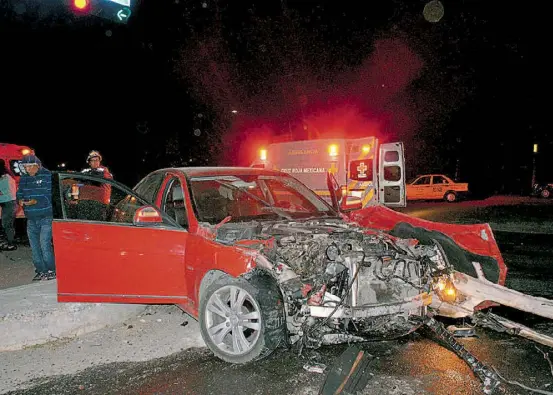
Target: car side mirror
x,y
147,215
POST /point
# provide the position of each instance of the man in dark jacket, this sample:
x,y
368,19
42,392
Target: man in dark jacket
x,y
35,196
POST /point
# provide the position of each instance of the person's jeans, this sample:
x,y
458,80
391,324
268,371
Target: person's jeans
x,y
40,238
8,218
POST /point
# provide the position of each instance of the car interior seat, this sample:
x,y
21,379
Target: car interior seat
x,y
179,208
213,207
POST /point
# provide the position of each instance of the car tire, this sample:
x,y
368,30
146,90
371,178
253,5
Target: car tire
x,y
450,197
545,193
258,298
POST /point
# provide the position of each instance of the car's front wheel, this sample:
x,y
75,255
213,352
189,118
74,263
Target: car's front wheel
x,y
242,321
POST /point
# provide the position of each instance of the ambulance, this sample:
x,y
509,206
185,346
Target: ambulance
x,y
12,155
367,172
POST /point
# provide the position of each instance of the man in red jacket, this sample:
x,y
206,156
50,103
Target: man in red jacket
x,y
94,160
99,193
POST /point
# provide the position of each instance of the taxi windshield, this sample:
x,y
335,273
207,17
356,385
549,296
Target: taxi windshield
x,y
255,197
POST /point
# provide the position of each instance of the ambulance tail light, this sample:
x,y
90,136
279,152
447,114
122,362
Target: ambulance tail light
x,y
26,151
333,150
263,154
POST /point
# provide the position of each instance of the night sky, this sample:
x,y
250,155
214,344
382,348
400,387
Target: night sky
x,y
162,89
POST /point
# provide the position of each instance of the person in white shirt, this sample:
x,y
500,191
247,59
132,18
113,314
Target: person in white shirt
x,y
7,203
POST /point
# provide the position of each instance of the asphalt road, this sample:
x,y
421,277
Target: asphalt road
x,y
503,213
411,365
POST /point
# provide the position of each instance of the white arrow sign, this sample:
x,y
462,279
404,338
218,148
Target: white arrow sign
x,y
121,14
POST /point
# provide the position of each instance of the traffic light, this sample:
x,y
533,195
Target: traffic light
x,y
81,5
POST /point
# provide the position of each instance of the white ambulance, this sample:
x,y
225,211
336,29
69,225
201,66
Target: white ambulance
x,y
367,172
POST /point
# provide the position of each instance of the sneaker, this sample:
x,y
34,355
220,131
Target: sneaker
x,y
38,276
50,275
9,247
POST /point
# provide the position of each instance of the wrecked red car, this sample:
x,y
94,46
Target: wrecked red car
x,y
261,261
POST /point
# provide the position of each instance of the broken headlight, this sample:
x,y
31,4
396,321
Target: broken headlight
x,y
443,286
332,252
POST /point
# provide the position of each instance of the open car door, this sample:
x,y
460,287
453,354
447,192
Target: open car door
x,y
112,246
340,201
391,175
335,190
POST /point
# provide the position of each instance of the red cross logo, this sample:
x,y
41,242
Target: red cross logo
x,y
362,168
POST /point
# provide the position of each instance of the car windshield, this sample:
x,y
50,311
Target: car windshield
x,y
255,197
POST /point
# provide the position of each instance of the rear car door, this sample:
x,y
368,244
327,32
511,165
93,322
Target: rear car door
x,y
104,255
391,175
440,185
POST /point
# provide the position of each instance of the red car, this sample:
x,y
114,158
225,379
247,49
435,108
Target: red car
x,y
260,260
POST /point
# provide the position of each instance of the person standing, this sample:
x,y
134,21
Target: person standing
x,y
7,203
102,192
35,196
94,160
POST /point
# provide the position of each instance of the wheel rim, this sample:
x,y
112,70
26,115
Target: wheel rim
x,y
233,320
545,193
450,197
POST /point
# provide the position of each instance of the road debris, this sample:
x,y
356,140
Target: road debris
x,y
461,331
522,385
546,357
349,373
488,377
315,367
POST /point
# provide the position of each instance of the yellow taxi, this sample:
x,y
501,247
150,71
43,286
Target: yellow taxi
x,y
436,186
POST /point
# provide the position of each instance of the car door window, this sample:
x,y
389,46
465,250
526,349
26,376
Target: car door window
x,y
173,203
149,186
440,180
422,181
98,200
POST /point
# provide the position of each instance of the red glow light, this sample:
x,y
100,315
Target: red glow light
x,y
80,4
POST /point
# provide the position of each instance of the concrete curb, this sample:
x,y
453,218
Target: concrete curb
x,y
31,315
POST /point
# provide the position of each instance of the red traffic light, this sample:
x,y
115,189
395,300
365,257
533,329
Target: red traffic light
x,y
81,5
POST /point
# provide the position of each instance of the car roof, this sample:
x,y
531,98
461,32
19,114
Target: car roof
x,y
226,171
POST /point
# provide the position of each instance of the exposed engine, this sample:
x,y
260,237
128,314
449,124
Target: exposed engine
x,y
342,283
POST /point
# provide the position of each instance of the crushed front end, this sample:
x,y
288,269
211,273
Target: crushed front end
x,y
342,283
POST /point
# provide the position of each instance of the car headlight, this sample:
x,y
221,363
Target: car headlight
x,y
443,286
332,252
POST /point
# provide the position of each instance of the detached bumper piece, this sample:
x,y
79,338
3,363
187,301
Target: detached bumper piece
x,y
489,378
414,305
